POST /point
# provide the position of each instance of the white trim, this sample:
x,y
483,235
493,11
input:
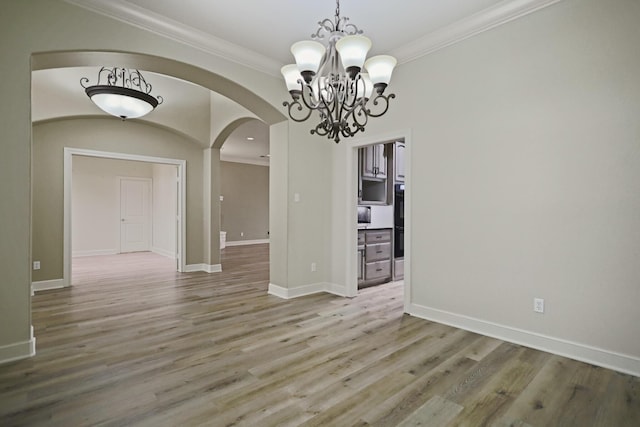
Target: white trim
x,y
45,285
181,165
470,26
18,351
159,24
300,291
608,359
247,242
480,22
95,252
336,289
207,268
163,252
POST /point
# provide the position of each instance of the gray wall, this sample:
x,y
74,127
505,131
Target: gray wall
x,y
245,208
526,149
96,202
525,165
525,180
29,28
49,140
165,209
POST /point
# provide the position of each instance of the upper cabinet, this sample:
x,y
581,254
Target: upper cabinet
x,y
380,167
374,161
374,167
399,161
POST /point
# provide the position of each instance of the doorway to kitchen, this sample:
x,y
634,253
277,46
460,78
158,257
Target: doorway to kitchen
x,y
380,173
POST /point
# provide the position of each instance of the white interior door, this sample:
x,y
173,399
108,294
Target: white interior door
x,y
135,214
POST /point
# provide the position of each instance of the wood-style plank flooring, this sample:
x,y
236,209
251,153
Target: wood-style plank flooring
x,y
134,343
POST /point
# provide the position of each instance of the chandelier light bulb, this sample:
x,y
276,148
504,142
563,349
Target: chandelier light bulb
x,y
308,56
122,93
291,76
123,106
329,79
380,69
365,87
353,52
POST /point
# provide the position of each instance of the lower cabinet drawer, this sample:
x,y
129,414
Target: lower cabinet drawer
x,y
378,252
377,270
378,236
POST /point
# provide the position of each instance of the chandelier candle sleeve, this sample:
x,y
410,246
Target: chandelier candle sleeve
x,y
328,78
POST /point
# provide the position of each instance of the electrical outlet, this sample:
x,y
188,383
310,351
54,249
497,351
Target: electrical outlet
x,y
538,305
36,265
313,266
242,234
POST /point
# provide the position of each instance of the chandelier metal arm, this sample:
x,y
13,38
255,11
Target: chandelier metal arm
x,y
380,100
335,86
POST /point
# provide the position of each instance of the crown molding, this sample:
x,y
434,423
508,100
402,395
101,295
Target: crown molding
x,y
489,18
159,24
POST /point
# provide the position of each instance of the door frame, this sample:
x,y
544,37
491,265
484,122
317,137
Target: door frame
x,y
68,185
149,218
351,179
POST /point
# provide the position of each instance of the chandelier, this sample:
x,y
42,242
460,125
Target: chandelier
x,y
122,93
329,79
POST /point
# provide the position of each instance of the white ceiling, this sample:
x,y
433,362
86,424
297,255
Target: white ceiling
x,y
258,34
57,93
270,27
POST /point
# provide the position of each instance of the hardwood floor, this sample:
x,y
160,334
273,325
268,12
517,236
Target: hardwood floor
x,y
135,343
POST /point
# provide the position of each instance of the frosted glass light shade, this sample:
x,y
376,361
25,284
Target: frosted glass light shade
x,y
353,50
365,87
122,102
291,76
308,55
380,68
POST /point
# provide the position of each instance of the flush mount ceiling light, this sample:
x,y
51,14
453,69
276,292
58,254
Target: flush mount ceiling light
x,y
122,93
327,78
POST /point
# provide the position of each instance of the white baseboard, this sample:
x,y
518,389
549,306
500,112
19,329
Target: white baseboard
x,y
596,356
247,242
95,252
163,252
19,350
300,291
45,285
213,268
339,290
